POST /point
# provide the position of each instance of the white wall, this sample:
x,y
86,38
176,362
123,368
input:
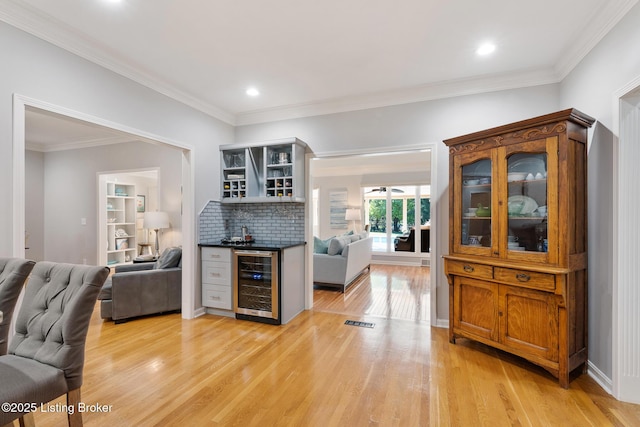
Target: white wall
x,y
591,87
36,69
414,125
327,184
71,189
34,205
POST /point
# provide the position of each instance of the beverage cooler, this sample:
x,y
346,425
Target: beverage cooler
x,y
256,286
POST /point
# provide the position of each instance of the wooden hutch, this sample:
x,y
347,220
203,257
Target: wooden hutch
x,y
517,263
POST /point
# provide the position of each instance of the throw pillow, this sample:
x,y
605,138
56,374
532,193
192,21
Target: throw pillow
x,y
320,246
336,245
170,258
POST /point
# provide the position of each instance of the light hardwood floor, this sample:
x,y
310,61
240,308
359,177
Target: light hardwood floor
x,y
317,371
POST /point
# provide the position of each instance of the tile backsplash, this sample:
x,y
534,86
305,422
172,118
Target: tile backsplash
x,y
273,222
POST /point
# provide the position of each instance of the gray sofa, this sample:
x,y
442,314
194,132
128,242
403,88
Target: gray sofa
x,y
346,258
144,288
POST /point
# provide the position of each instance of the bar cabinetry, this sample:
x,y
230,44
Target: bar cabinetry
x,y
270,171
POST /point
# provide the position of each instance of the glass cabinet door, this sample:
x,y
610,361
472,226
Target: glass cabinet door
x,y
527,200
473,213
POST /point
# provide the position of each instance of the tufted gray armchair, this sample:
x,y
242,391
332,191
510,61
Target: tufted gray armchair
x,y
46,355
13,274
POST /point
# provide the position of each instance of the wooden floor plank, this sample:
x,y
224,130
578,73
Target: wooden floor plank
x,y
317,371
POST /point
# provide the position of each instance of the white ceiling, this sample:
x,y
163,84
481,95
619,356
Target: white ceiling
x,y
46,131
312,57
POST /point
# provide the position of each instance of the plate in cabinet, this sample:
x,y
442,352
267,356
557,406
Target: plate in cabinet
x,y
529,164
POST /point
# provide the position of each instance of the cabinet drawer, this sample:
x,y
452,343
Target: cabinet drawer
x,y
216,254
217,273
529,279
470,269
216,296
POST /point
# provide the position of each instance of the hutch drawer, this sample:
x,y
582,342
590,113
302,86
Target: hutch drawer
x,y
470,269
525,278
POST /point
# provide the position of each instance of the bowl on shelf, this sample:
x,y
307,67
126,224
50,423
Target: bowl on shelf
x,y
483,211
471,181
514,208
516,176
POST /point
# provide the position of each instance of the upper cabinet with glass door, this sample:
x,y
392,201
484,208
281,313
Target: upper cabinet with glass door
x,y
529,169
272,171
473,204
518,190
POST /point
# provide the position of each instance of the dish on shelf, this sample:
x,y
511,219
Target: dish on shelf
x,y
471,181
521,205
479,169
483,211
516,176
528,164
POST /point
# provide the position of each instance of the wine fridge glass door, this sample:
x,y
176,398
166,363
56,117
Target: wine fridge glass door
x,y
255,287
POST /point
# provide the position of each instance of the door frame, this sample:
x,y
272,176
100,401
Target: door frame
x,y
189,267
626,318
434,265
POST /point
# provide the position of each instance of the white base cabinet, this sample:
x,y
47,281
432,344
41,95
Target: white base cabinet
x,y
216,278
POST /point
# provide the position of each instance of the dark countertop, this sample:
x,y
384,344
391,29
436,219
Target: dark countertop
x,y
259,245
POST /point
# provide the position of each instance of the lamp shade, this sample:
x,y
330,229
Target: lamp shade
x,y
156,220
352,215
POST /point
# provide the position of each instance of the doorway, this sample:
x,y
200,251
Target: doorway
x,y
350,175
626,298
182,203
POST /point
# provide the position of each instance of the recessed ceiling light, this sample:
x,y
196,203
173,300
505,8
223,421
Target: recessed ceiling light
x,y
252,91
486,49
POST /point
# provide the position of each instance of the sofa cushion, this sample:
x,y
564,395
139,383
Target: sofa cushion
x,y
107,290
170,258
337,244
320,246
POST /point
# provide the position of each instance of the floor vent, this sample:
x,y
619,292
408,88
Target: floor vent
x,y
361,324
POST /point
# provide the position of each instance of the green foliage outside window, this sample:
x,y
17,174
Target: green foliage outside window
x,y
378,213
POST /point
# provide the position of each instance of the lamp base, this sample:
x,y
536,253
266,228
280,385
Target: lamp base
x,y
157,255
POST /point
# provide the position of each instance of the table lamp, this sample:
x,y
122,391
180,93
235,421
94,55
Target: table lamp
x,y
352,215
156,221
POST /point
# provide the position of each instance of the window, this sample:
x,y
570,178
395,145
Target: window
x,y
391,214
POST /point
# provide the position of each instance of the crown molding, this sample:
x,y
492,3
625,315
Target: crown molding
x,y
603,20
428,92
95,142
32,21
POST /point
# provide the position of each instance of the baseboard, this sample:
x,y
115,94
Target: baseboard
x,y
403,261
599,377
219,312
442,323
199,312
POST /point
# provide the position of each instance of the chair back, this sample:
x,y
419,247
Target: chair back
x,y
13,274
53,320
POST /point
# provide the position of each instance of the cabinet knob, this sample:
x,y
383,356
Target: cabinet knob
x,y
469,269
523,277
